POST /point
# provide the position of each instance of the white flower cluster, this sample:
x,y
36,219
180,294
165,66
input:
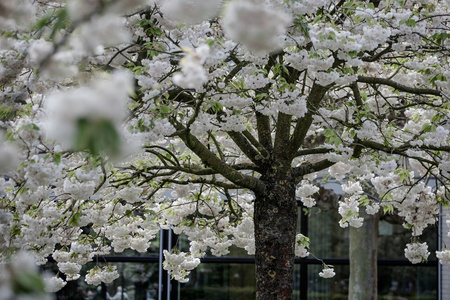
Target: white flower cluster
x,y
191,11
97,275
193,75
234,123
256,81
289,103
339,170
256,26
301,245
417,203
71,269
54,284
349,206
443,256
305,191
180,265
327,272
301,61
417,252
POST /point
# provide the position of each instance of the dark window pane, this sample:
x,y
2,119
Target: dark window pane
x,y
408,282
328,288
396,237
139,281
220,282
327,238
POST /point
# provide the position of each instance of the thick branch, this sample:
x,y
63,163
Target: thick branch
x,y
308,168
303,124
199,170
256,143
282,135
263,128
393,150
312,151
245,146
359,102
398,86
205,181
214,162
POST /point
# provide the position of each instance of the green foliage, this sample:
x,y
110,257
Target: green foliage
x,y
97,136
27,282
332,137
364,200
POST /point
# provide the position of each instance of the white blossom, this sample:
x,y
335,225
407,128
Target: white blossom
x,y
327,272
254,25
417,252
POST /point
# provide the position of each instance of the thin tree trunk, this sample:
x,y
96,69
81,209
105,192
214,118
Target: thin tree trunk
x,y
363,259
275,220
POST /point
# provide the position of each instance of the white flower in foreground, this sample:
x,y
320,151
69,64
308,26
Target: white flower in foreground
x,y
327,272
193,75
258,27
191,11
54,284
416,252
105,99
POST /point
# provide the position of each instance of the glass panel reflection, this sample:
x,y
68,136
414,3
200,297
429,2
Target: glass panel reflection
x,y
137,281
324,289
327,238
409,283
220,282
396,236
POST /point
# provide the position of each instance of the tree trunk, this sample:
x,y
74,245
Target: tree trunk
x,y
275,219
363,259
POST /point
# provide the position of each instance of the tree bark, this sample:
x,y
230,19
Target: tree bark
x,y
363,259
275,219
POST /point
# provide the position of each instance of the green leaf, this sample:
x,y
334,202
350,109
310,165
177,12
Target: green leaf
x,y
364,200
73,221
62,21
427,127
27,282
410,23
164,109
57,158
97,136
31,126
388,209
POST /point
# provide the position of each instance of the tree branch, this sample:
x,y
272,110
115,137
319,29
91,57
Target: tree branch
x,y
208,157
282,134
398,86
303,124
245,146
308,168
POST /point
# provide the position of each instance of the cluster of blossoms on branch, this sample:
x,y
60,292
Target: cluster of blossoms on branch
x,y
120,118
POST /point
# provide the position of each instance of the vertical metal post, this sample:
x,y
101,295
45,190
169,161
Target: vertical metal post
x,y
303,264
439,238
160,270
169,247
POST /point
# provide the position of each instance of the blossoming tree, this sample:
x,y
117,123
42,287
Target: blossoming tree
x,y
212,118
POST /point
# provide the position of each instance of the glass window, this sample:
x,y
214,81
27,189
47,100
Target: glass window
x,y
220,281
396,236
328,288
409,282
327,238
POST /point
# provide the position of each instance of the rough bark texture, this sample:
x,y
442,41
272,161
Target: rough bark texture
x,y
363,260
275,229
